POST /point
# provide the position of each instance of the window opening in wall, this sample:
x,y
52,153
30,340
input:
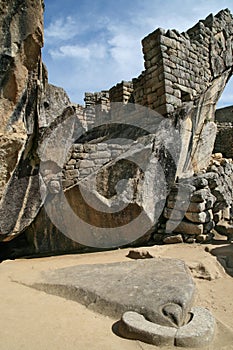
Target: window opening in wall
x,y
226,98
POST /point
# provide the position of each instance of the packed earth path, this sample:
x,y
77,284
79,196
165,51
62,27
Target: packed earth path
x,y
44,321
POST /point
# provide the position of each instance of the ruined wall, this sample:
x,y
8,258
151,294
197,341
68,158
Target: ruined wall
x,y
181,66
86,159
184,76
198,205
224,137
121,92
94,103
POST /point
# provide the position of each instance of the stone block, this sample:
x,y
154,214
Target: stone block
x,y
200,182
90,147
202,217
173,239
196,207
67,183
69,167
168,42
226,213
86,163
202,196
102,147
209,226
162,290
224,228
186,227
78,147
176,214
212,178
217,216
100,162
69,174
104,154
71,162
85,171
76,155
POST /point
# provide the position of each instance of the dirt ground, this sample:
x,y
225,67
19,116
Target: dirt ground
x,y
31,319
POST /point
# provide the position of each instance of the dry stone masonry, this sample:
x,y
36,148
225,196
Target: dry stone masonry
x,y
86,159
185,74
224,137
181,66
209,198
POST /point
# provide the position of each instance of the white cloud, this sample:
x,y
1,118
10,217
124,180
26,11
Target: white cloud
x,y
125,49
70,51
62,29
93,51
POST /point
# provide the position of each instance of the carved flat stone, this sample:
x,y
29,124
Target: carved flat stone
x,y
162,290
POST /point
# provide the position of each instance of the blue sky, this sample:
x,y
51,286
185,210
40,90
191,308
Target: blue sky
x,y
90,45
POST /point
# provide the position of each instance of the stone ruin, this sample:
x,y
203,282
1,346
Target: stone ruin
x,y
44,165
148,161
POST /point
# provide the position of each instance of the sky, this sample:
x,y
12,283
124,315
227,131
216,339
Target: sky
x,y
90,45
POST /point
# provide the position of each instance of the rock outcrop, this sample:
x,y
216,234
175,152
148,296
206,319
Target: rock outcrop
x,y
28,106
75,177
21,39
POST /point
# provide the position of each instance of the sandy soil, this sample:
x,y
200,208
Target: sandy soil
x,y
31,319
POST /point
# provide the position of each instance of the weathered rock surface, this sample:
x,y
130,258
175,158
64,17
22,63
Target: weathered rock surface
x,y
21,38
185,73
162,290
28,110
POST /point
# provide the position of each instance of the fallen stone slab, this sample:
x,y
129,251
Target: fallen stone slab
x,y
198,332
162,290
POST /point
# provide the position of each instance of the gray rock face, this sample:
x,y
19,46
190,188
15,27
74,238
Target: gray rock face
x,y
21,38
162,290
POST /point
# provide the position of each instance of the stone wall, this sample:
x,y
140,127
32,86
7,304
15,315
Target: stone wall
x,y
224,137
185,74
122,92
198,205
86,159
180,66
